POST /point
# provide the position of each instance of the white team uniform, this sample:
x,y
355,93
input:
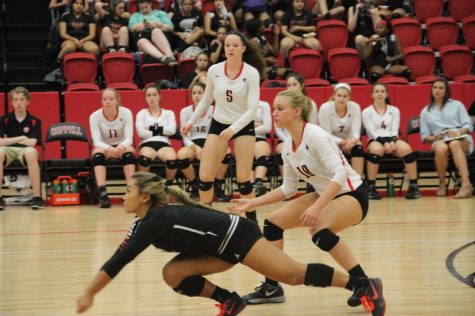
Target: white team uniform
x,y
107,133
341,128
236,100
381,125
263,116
144,120
317,160
200,128
314,116
282,133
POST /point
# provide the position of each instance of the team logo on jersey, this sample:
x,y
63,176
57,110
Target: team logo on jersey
x,y
132,231
26,129
244,79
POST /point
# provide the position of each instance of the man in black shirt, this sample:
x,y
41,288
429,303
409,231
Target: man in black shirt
x,y
20,132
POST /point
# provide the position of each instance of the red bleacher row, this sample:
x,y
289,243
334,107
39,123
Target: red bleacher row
x,y
79,105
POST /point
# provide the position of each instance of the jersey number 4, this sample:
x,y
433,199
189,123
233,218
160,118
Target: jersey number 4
x,y
305,171
229,95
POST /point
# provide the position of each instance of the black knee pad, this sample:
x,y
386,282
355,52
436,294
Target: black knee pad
x,y
184,163
245,188
373,77
205,186
325,239
278,160
357,151
407,73
144,161
319,275
409,158
172,164
99,159
227,159
262,161
191,286
128,159
272,232
374,158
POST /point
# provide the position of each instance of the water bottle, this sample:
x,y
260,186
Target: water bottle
x,y
56,187
390,185
65,188
74,186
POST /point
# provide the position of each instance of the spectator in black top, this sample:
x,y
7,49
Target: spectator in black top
x,y
188,24
78,31
218,18
392,8
105,5
362,19
20,133
209,242
200,72
328,9
217,46
115,32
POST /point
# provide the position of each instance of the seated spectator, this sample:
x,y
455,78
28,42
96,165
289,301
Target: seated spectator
x,y
381,122
60,5
200,72
446,124
328,9
218,18
150,29
105,7
385,53
112,136
341,118
296,81
277,8
217,54
256,9
155,126
298,29
262,149
392,8
114,34
20,133
77,31
362,19
188,24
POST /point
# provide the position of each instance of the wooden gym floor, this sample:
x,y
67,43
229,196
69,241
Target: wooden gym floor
x,y
424,251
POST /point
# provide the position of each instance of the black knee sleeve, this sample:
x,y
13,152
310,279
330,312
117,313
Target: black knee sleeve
x,y
357,151
245,188
319,275
144,161
226,160
191,286
99,159
373,77
278,160
325,239
128,159
184,163
409,158
205,186
272,232
407,73
262,161
374,158
172,164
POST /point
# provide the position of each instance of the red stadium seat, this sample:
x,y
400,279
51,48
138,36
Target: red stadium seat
x,y
389,79
426,79
355,81
316,82
456,60
441,31
459,9
332,34
307,62
408,30
425,9
274,83
118,70
80,70
344,63
468,29
420,59
153,72
185,66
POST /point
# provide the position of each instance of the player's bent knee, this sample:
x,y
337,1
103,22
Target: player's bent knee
x,y
245,188
325,239
191,286
272,232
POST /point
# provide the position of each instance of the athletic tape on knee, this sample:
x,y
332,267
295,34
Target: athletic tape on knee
x,y
262,161
191,286
374,158
245,188
325,239
272,232
128,159
357,151
144,161
318,275
227,159
99,159
409,158
184,163
172,164
205,186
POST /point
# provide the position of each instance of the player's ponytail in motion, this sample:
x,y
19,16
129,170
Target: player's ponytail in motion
x,y
299,100
252,55
154,185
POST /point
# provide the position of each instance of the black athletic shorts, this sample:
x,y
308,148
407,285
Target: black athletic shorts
x,y
155,145
216,128
199,141
245,236
258,139
361,195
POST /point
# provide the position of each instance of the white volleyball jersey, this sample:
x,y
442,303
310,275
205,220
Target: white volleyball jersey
x,y
314,116
200,128
264,117
341,128
381,125
145,120
107,133
236,99
316,160
281,133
